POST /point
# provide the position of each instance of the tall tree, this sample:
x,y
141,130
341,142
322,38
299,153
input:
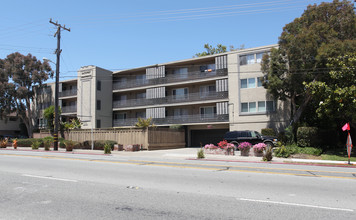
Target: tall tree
x,y
18,75
210,50
323,31
338,92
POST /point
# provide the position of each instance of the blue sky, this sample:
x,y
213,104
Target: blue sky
x,y
125,34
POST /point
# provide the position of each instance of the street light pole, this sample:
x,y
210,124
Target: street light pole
x,y
56,92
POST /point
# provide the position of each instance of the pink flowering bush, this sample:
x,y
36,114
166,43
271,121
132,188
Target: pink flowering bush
x,y
210,146
225,145
244,146
259,147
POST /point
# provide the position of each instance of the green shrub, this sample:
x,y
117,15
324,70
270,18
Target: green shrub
x,y
69,145
26,142
49,138
307,136
36,144
107,148
268,132
176,127
292,148
111,144
281,151
311,150
61,143
200,154
47,143
289,135
267,155
99,144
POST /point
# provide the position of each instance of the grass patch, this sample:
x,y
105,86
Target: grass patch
x,y
336,157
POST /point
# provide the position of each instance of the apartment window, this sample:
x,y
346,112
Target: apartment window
x,y
179,112
259,57
98,85
122,98
181,93
98,105
120,116
207,90
259,81
181,73
251,59
140,79
262,106
141,95
140,114
270,106
208,112
247,59
243,60
248,107
252,107
122,80
244,107
248,83
98,123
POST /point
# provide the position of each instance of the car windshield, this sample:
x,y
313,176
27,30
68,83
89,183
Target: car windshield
x,y
257,134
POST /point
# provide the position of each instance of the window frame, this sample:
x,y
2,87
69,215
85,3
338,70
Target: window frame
x,y
180,73
204,116
179,97
265,108
98,85
98,105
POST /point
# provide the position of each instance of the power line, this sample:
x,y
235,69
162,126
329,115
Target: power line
x,y
144,15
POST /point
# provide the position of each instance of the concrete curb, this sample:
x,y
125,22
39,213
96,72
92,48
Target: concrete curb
x,y
187,155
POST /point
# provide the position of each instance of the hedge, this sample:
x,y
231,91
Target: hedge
x,y
28,141
268,132
98,144
307,136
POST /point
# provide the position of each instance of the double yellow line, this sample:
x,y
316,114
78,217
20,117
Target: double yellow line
x,y
213,167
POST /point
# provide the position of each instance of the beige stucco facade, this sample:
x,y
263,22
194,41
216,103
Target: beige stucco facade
x,y
207,96
278,118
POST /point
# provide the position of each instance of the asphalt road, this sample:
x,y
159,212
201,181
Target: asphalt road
x,y
63,186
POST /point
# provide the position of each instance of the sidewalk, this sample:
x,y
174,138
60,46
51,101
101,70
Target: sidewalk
x,y
189,154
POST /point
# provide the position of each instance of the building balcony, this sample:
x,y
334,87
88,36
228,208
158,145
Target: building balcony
x,y
67,93
181,120
69,109
191,97
132,83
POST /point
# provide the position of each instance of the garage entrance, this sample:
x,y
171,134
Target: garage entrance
x,y
211,136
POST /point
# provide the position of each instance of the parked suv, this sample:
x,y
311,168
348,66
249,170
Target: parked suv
x,y
236,137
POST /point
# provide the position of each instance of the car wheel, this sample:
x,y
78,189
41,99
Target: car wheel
x,y
269,144
236,144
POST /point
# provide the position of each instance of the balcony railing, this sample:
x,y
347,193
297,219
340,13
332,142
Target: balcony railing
x,y
130,83
181,119
191,97
69,109
71,92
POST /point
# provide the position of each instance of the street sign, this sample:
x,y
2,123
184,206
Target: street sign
x,y
349,145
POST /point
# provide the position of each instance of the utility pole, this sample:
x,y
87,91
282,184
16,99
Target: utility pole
x,y
56,92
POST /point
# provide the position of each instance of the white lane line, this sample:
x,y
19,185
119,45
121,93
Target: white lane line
x,y
50,178
296,204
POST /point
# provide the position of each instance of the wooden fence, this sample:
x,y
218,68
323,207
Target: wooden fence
x,y
149,139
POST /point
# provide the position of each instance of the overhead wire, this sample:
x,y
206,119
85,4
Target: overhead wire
x,y
183,11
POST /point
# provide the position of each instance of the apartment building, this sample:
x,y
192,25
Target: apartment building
x,y
207,96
